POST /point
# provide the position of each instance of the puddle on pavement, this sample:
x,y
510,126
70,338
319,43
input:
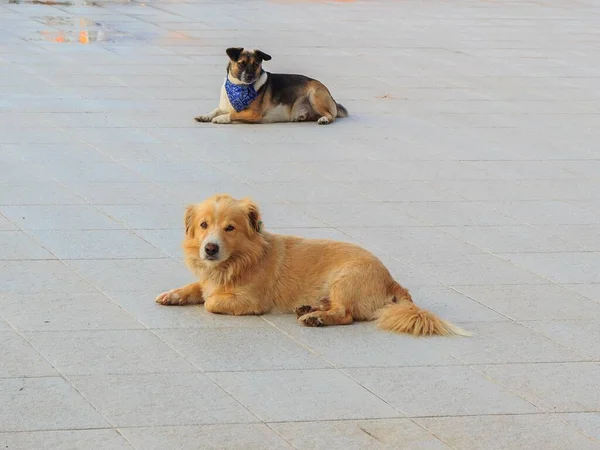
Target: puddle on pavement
x,y
81,36
67,29
80,30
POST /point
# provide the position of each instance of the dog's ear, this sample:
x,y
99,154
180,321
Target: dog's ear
x,y
190,215
262,55
234,53
253,213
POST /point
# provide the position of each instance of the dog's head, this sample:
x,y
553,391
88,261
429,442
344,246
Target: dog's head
x,y
221,231
245,66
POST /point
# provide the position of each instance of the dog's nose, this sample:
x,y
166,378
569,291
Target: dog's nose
x,y
211,249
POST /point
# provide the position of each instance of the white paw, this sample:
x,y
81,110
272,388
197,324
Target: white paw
x,y
170,298
204,118
323,120
222,119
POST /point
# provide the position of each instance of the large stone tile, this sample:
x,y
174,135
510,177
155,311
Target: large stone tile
x,y
512,190
4,326
588,423
586,237
254,171
589,290
440,213
19,359
5,224
210,437
295,395
147,216
403,191
96,244
440,391
523,170
512,239
358,435
363,345
473,269
583,336
147,400
191,170
545,212
545,384
59,217
573,267
125,275
37,193
309,191
507,432
507,342
44,404
141,305
191,192
64,311
533,302
421,243
121,193
84,171
107,352
32,277
238,349
66,440
167,241
358,214
452,305
16,245
407,275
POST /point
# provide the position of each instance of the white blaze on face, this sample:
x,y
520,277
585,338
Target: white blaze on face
x,y
214,239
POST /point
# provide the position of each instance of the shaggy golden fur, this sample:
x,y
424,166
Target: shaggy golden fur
x,y
244,270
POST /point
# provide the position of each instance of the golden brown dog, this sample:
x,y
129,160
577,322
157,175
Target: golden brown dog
x,y
251,95
245,270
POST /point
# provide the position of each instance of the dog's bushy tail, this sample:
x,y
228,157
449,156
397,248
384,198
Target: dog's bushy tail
x,y
406,317
341,110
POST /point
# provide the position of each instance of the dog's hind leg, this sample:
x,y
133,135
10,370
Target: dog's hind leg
x,y
323,305
322,103
326,313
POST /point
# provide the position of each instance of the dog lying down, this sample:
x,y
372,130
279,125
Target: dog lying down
x,y
251,95
244,270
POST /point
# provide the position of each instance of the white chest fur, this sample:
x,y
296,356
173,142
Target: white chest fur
x,y
224,103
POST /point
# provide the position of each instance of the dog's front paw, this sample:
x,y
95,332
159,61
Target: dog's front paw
x,y
172,297
323,121
222,119
204,118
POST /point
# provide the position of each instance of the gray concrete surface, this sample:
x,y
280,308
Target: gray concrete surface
x,y
470,164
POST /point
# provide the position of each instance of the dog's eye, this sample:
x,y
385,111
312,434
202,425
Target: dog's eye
x,y
229,228
204,225
242,64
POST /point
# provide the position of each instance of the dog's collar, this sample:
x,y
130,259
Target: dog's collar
x,y
240,95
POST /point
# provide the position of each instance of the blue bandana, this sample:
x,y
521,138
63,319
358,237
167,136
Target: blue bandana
x,y
240,95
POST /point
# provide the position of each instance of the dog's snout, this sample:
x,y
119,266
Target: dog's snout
x,y
211,249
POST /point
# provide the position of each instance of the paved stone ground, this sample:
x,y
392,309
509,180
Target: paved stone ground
x,y
470,165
